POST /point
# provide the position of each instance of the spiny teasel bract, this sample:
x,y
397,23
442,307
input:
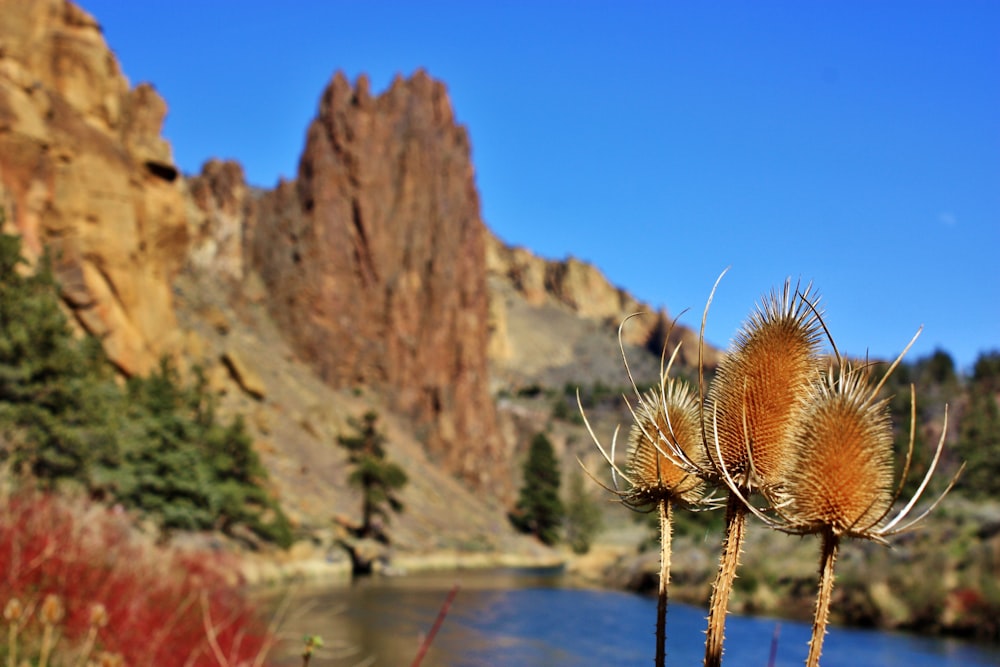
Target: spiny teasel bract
x,y
756,401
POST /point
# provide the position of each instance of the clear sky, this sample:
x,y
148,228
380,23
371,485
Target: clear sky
x,y
854,144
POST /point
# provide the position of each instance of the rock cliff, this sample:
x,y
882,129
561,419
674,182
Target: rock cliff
x,y
554,321
374,264
84,171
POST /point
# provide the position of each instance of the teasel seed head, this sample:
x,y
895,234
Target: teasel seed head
x,y
756,400
52,609
98,615
667,426
13,610
665,454
841,483
843,475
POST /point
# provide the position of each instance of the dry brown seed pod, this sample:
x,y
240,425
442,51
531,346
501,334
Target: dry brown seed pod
x,y
756,400
52,609
12,610
666,421
665,455
843,475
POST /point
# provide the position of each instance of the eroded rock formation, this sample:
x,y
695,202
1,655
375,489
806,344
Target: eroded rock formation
x,y
83,170
374,260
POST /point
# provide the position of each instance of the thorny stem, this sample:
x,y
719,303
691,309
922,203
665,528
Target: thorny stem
x,y
828,557
12,643
666,529
729,560
48,642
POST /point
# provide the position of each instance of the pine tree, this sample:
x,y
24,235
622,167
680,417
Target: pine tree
x,y
539,510
55,391
378,478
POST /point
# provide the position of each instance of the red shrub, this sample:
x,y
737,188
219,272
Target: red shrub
x,y
159,603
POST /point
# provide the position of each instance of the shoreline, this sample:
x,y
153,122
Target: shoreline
x,y
266,571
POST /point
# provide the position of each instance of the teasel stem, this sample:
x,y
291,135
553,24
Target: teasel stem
x,y
729,560
828,556
666,531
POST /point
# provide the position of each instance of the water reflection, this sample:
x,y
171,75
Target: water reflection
x,y
532,618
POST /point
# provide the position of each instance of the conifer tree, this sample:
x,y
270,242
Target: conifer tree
x,y
539,510
378,478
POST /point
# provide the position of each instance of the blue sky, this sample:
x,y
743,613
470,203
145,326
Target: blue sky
x,y
854,144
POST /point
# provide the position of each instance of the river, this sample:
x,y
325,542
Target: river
x,y
529,618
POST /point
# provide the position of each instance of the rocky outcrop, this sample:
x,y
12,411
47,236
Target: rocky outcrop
x,y
220,207
374,263
84,171
580,289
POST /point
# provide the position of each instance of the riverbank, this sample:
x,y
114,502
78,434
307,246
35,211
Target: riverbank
x,y
876,587
305,562
941,579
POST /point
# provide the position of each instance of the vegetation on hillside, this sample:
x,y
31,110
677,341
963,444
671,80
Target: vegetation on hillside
x,y
155,444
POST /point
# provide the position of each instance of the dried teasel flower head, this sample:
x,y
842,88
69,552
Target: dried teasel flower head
x,y
756,399
842,481
52,609
667,423
665,449
843,476
13,610
98,615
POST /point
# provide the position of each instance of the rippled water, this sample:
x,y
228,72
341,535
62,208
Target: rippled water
x,y
532,619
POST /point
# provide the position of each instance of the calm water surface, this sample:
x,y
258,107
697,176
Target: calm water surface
x,y
533,619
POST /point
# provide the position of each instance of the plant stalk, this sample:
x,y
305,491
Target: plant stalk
x,y
828,556
729,560
666,531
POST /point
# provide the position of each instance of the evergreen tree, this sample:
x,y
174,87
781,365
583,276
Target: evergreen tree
x,y
376,477
539,510
190,469
55,393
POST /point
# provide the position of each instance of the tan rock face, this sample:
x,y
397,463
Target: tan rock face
x,y
219,207
84,171
578,288
374,259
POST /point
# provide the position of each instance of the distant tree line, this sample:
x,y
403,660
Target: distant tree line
x,y
152,443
